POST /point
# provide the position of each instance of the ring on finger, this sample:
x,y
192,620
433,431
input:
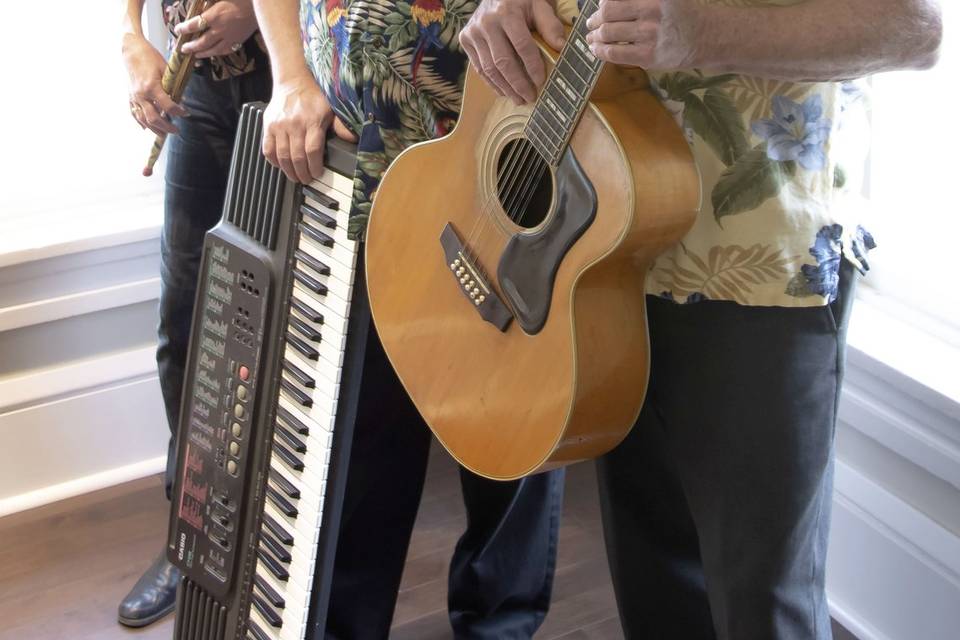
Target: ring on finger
x,y
236,47
202,23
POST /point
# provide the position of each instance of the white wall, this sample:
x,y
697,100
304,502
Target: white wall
x,y
80,406
894,559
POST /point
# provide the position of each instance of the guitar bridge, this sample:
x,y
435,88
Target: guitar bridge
x,y
473,285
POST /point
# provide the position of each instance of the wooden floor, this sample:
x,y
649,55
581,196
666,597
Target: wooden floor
x,y
65,567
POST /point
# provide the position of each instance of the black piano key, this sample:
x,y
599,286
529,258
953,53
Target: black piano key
x,y
319,216
271,616
269,592
300,345
284,485
299,375
312,262
275,548
256,632
281,503
273,566
287,456
316,235
296,394
291,440
278,530
293,422
322,198
309,313
305,329
310,283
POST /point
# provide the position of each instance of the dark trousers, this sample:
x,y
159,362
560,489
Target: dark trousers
x,y
502,570
501,574
716,507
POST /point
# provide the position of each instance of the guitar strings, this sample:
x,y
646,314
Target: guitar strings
x,y
519,169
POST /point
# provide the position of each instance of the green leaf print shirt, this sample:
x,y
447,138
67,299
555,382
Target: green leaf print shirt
x,y
781,166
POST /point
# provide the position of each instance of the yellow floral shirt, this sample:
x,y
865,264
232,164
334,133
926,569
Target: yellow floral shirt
x,y
781,165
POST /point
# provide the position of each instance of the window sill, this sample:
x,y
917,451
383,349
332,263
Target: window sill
x,y
907,350
80,228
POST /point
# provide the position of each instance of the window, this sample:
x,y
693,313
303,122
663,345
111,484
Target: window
x,y
70,145
913,185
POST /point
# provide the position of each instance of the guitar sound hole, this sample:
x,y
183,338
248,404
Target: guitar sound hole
x,y
524,183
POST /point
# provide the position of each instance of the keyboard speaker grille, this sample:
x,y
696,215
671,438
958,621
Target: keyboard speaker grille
x,y
199,617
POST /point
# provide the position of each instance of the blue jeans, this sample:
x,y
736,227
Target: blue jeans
x,y
502,570
716,508
198,163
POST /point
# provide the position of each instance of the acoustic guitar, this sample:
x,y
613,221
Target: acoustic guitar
x,y
506,263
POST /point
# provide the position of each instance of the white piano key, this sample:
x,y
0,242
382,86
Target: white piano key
x,y
315,464
276,585
300,580
296,600
335,286
319,395
341,214
322,417
342,271
312,485
337,186
322,371
331,317
309,493
343,257
330,303
324,376
330,347
306,508
265,626
314,469
304,530
342,217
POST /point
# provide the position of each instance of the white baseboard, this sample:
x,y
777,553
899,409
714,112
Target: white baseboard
x,y
893,569
83,439
80,403
850,621
884,585
82,485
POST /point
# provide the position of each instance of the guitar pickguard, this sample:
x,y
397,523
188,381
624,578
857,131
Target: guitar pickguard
x,y
529,263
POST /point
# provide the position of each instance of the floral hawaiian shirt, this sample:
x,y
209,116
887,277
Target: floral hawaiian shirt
x,y
392,70
251,56
781,163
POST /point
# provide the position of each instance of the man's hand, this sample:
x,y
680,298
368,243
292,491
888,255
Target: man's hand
x,y
500,45
653,34
295,129
224,28
149,105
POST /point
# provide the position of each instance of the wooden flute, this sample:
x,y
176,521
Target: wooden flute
x,y
176,75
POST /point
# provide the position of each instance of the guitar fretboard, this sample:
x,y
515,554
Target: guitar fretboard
x,y
565,93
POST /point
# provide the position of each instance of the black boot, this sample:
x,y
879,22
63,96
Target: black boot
x,y
154,595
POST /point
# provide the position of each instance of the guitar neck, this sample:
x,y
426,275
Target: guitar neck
x,y
565,94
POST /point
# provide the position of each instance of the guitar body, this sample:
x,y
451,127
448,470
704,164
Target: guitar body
x,y
512,402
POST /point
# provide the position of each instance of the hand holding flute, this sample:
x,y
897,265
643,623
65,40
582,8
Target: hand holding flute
x,y
210,29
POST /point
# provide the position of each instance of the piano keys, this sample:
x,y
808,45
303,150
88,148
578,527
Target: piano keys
x,y
271,394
